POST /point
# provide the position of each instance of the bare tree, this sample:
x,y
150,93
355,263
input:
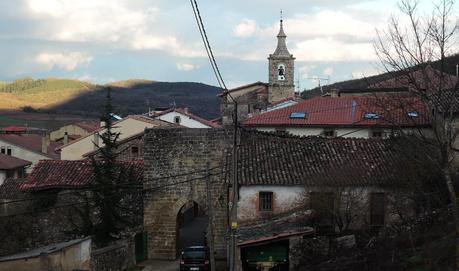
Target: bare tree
x,y
415,53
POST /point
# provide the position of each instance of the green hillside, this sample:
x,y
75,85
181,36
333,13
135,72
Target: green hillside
x,y
134,96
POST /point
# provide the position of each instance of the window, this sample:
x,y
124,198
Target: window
x,y
323,203
266,201
135,151
413,114
371,116
177,119
377,133
298,115
329,133
8,151
281,72
3,150
377,209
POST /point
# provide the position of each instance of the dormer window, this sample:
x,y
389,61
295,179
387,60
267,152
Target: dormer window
x,y
281,72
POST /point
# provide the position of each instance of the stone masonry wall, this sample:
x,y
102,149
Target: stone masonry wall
x,y
172,152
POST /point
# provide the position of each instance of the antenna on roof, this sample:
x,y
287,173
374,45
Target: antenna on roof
x,y
297,82
319,80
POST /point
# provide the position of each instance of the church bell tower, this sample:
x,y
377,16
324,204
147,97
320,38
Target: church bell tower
x,y
281,70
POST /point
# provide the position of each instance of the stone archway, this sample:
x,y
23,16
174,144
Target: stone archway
x,y
192,226
184,154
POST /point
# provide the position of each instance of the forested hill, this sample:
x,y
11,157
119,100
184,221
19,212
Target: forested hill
x,y
68,96
450,67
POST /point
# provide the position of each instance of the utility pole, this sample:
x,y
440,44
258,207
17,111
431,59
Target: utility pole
x,y
211,219
235,200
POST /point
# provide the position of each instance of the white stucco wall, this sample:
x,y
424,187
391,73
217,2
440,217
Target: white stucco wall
x,y
2,176
285,198
288,198
343,132
127,127
184,120
24,154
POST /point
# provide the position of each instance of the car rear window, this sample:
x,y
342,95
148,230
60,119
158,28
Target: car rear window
x,y
194,254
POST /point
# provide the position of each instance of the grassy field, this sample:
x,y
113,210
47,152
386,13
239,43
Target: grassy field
x,y
42,93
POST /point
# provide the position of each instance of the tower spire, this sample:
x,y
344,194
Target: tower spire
x,y
281,49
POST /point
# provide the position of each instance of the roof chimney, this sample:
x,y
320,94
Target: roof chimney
x,y
45,141
186,110
334,92
66,138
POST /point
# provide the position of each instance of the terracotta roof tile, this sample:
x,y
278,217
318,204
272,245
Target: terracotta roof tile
x,y
32,142
11,162
284,160
65,174
88,125
10,189
346,111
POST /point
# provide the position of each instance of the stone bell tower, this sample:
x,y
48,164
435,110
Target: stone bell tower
x,y
281,70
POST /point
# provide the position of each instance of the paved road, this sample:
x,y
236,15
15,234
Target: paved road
x,y
156,265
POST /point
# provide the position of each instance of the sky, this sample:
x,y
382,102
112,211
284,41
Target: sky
x,y
108,40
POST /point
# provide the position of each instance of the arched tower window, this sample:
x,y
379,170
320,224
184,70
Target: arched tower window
x,y
281,72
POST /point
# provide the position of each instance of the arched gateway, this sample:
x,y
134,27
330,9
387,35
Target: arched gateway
x,y
184,154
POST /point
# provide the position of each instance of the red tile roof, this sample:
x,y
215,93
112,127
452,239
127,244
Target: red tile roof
x,y
264,85
48,174
88,125
31,142
190,115
10,162
316,161
159,123
13,130
347,111
10,189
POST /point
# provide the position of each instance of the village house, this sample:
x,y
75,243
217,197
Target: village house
x,y
126,127
183,117
348,183
72,131
365,115
12,167
29,147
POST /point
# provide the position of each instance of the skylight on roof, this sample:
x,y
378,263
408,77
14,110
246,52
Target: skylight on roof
x,y
371,116
298,115
413,114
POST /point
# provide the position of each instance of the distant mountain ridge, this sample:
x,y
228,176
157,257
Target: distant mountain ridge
x,y
450,67
133,96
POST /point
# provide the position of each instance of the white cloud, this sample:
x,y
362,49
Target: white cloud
x,y
245,29
328,49
305,70
65,61
328,71
119,22
186,66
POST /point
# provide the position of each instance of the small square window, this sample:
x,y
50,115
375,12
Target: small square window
x,y
266,201
8,151
177,119
135,151
3,150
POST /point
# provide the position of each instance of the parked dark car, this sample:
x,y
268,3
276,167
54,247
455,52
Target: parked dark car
x,y
195,258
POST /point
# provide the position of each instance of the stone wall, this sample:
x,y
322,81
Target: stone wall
x,y
172,152
116,257
281,89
